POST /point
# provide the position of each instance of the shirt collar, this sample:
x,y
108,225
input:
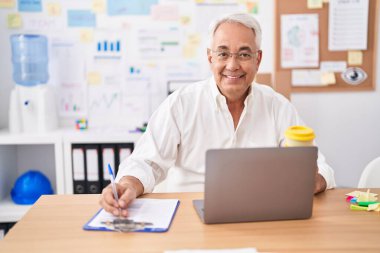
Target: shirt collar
x,y
219,99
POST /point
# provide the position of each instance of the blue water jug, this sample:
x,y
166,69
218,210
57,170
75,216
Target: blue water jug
x,y
30,59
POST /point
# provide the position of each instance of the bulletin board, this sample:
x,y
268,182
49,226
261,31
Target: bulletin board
x,y
283,76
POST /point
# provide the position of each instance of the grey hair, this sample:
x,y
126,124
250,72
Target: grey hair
x,y
241,18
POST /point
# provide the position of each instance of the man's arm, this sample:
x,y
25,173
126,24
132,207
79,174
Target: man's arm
x,y
320,184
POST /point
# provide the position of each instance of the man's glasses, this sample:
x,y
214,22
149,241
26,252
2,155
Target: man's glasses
x,y
224,55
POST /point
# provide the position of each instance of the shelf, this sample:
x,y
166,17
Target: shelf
x,y
101,135
10,212
7,138
51,154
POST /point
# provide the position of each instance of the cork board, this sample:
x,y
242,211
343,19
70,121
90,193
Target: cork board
x,y
283,76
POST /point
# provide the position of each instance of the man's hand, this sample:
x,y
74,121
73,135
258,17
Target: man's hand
x,y
320,184
128,189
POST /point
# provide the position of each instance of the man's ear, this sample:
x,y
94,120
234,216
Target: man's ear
x,y
209,55
258,58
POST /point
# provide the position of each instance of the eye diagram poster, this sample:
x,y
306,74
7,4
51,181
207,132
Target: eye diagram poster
x,y
299,40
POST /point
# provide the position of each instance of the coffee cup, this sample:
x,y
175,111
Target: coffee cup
x,y
297,136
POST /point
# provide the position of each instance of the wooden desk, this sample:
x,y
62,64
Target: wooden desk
x,y
55,223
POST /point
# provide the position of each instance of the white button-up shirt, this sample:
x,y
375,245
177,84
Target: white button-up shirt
x,y
196,118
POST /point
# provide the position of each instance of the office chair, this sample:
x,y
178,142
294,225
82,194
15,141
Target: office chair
x,y
370,177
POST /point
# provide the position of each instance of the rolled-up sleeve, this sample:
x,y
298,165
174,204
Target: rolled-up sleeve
x,y
156,150
326,171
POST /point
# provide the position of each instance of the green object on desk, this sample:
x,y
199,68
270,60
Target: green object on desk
x,y
367,203
358,208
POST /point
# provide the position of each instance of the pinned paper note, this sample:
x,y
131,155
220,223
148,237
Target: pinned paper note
x,y
333,66
299,40
355,58
7,3
306,77
14,20
94,78
29,5
98,6
42,23
191,47
185,20
314,4
54,9
328,78
129,7
348,25
252,6
86,36
195,38
164,12
189,51
81,18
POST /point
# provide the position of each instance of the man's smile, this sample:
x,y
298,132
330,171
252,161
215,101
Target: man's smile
x,y
233,76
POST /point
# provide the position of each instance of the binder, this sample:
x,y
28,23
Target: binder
x,y
79,169
107,157
90,161
93,173
123,151
3,229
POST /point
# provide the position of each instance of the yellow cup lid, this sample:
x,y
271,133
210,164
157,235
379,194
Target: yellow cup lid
x,y
300,133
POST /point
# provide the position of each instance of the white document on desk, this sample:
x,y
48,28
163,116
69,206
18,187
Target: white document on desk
x,y
159,212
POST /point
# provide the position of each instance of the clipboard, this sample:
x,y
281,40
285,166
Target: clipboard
x,y
155,215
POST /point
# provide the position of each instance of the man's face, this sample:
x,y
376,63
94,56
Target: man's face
x,y
234,74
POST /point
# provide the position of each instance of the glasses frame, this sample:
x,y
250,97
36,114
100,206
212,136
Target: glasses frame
x,y
254,55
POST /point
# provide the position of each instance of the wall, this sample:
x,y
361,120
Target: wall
x,y
347,124
347,127
160,41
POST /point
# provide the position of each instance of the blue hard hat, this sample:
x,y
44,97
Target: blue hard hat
x,y
29,187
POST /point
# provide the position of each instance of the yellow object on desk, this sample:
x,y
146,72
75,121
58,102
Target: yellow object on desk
x,y
364,201
299,136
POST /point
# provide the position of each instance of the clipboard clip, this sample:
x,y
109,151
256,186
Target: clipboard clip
x,y
126,225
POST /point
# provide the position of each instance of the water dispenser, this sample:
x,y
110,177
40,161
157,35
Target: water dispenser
x,y
32,103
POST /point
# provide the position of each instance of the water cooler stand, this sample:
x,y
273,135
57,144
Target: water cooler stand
x,y
32,109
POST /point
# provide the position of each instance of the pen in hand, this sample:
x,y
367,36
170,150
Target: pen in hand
x,y
113,185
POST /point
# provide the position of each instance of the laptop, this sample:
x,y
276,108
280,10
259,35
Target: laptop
x,y
258,184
